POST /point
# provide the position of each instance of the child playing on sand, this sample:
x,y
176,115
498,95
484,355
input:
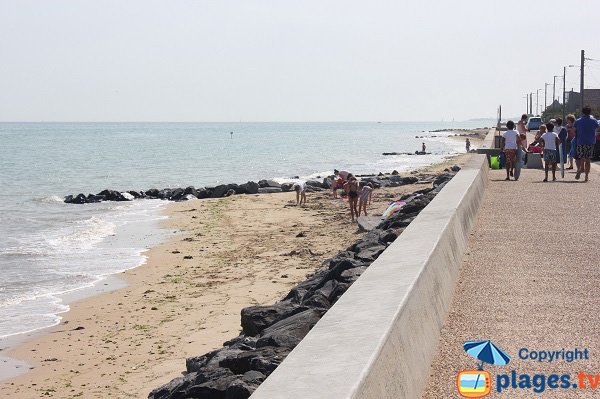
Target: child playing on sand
x,y
550,143
352,188
300,188
365,197
339,180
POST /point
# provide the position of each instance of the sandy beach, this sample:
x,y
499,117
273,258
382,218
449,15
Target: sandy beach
x,y
229,253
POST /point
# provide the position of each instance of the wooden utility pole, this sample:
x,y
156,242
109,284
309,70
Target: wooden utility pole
x,y
581,78
546,95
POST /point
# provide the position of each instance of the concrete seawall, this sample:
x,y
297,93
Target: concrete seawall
x,y
378,340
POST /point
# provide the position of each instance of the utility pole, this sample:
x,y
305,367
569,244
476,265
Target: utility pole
x,y
564,91
530,103
581,79
546,95
537,101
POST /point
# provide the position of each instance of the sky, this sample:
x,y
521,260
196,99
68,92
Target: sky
x,y
281,60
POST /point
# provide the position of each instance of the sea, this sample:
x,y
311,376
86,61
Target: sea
x,y
49,249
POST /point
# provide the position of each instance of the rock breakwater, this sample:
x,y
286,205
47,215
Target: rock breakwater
x,y
270,332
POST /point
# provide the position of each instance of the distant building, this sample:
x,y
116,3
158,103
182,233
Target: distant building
x,y
573,99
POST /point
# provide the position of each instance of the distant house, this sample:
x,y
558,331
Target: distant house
x,y
591,98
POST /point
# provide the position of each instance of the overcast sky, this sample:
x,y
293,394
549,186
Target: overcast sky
x,y
280,60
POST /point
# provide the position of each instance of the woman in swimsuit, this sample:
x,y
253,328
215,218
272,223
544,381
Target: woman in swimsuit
x,y
352,190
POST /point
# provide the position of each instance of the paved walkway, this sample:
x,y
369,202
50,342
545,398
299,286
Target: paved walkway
x,y
530,279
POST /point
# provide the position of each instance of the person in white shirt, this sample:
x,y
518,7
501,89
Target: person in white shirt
x,y
510,144
550,143
300,189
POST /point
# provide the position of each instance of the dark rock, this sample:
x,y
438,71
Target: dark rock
x,y
68,199
94,198
297,294
326,183
269,190
351,275
455,168
219,191
229,193
370,239
395,172
409,180
290,331
442,179
136,194
313,189
152,193
239,389
390,235
336,269
241,342
177,194
243,387
175,389
314,183
249,187
263,360
203,193
268,183
286,187
371,253
367,223
242,362
375,182
256,318
165,193
112,195
235,188
188,197
214,389
196,363
80,199
191,190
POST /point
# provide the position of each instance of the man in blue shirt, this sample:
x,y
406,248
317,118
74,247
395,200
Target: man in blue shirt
x,y
586,139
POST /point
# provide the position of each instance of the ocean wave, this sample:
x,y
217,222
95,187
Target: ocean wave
x,y
82,234
49,199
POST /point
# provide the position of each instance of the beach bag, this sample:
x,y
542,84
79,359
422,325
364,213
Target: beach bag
x,y
494,162
573,149
502,160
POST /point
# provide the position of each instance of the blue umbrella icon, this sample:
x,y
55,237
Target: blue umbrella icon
x,y
487,352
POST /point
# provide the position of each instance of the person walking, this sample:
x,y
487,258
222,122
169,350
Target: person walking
x,y
570,139
561,131
468,144
352,188
585,134
510,143
550,143
522,129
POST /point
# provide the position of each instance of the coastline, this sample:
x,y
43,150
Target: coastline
x,y
245,252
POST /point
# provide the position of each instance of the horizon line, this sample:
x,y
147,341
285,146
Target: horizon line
x,y
271,121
